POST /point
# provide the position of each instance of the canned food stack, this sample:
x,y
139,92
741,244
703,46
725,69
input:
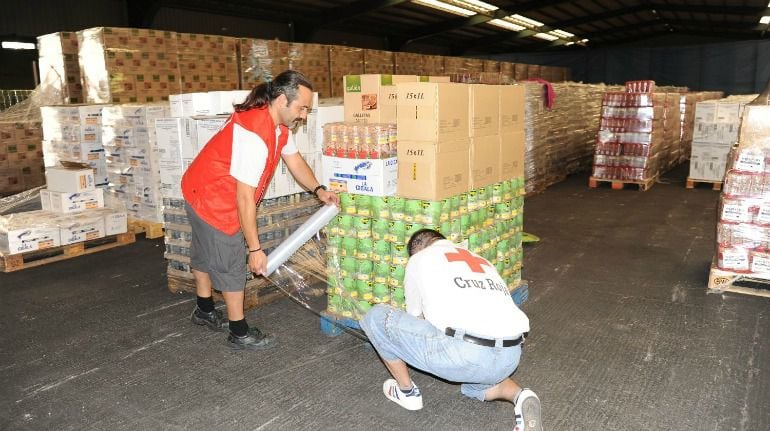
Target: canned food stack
x,y
743,230
631,136
360,141
367,255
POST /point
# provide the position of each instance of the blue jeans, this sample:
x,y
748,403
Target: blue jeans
x,y
396,334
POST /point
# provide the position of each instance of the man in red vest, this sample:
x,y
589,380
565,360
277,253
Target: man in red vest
x,y
223,187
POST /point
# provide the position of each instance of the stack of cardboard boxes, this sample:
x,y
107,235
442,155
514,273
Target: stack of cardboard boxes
x,y
59,68
21,156
206,63
73,211
262,60
73,133
715,130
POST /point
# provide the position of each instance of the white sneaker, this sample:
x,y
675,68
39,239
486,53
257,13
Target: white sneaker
x,y
527,410
412,401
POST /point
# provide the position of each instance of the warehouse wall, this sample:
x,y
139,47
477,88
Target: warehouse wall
x,y
735,67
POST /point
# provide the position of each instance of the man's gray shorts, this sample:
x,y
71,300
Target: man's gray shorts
x,y
223,257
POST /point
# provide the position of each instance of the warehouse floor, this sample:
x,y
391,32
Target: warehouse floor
x,y
624,337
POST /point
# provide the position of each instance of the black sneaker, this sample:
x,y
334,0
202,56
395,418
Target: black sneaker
x,y
215,320
254,340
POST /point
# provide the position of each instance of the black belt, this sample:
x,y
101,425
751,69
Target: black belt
x,y
486,341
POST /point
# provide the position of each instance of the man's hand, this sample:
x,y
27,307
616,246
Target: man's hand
x,y
328,197
258,262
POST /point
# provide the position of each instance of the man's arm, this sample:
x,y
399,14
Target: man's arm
x,y
305,177
247,216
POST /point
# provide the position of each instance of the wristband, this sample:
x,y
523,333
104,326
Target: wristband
x,y
255,250
315,190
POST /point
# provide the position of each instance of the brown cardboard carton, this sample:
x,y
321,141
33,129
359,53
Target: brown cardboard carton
x,y
511,155
372,98
432,171
484,110
433,112
511,108
485,161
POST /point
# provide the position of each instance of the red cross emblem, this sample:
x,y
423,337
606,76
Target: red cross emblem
x,y
473,262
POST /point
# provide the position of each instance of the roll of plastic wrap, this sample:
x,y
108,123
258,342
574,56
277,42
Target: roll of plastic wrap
x,y
315,223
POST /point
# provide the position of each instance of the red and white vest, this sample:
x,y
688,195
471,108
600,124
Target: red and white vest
x,y
207,184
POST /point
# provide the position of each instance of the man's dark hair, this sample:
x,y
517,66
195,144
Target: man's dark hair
x,y
287,82
421,239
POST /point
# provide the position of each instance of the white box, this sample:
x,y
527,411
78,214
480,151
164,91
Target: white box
x,y
81,227
198,104
66,203
708,161
115,222
327,111
373,177
61,179
224,100
28,231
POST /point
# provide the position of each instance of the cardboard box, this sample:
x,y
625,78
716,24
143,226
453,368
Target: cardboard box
x,y
484,161
484,110
81,227
372,98
433,112
205,129
432,171
512,102
66,203
27,231
708,161
511,155
70,180
428,78
309,136
373,177
199,104
115,221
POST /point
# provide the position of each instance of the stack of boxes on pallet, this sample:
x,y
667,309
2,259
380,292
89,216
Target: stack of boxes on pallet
x,y
261,60
459,170
637,133
73,134
715,130
21,156
73,211
743,236
285,206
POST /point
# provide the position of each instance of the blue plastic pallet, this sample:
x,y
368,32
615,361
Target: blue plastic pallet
x,y
332,325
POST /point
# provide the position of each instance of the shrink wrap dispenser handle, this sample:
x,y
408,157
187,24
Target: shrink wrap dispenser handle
x,y
307,230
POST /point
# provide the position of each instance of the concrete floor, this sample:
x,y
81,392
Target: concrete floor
x,y
624,337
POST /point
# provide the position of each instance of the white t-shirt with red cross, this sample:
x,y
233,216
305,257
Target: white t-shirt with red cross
x,y
249,154
455,288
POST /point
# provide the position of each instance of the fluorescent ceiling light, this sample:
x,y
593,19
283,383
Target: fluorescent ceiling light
x,y
545,36
569,43
526,20
446,7
584,40
18,45
507,25
765,19
562,34
476,5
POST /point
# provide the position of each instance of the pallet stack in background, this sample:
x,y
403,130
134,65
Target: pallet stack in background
x,y
560,140
743,236
687,106
21,156
715,131
459,169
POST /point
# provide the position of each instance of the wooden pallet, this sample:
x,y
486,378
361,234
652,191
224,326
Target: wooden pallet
x,y
258,291
17,262
643,185
691,183
150,229
333,324
721,281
